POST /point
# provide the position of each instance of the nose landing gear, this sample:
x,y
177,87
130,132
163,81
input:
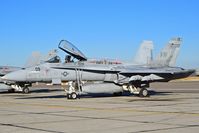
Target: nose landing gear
x,y
73,95
71,91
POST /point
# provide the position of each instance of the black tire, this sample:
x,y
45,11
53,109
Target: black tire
x,y
26,90
143,92
68,96
73,95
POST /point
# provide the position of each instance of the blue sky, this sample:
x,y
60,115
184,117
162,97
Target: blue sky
x,y
99,28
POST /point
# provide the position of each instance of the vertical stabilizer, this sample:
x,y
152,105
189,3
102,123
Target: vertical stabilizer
x,y
168,55
144,54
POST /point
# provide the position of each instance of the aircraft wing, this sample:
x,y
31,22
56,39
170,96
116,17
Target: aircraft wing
x,y
69,48
146,71
134,74
156,74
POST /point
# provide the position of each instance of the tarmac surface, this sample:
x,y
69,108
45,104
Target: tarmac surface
x,y
172,107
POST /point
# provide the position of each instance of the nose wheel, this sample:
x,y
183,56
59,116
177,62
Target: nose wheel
x,y
71,91
73,95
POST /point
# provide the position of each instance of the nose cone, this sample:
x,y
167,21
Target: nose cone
x,y
15,76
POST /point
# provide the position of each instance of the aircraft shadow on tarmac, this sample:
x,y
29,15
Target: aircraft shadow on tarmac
x,y
125,94
42,97
45,90
153,93
34,91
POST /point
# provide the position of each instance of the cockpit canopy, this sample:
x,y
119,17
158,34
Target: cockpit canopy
x,y
69,48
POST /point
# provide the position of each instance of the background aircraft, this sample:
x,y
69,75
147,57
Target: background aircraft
x,y
120,77
35,59
3,71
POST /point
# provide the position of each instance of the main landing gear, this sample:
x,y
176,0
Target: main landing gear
x,y
26,90
143,92
140,91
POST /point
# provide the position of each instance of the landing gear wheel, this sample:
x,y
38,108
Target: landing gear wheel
x,y
73,95
143,92
68,96
26,90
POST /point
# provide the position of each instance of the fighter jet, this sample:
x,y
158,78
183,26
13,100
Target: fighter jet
x,y
102,77
142,57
